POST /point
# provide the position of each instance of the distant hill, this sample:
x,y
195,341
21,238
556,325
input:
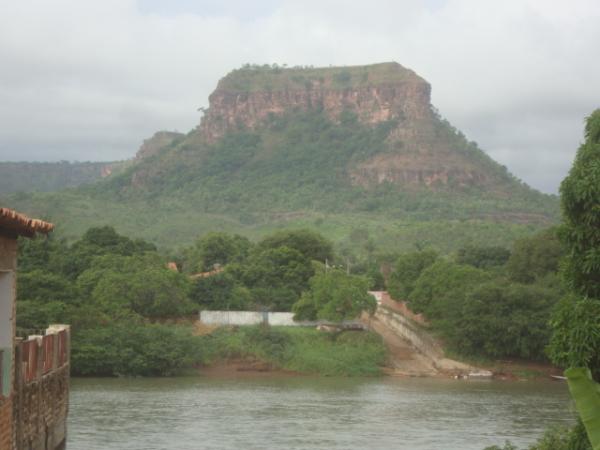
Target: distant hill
x,y
351,151
51,176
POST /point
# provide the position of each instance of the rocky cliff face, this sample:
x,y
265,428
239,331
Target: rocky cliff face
x,y
374,93
420,154
157,142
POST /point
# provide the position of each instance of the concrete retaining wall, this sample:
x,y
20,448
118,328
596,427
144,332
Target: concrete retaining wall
x,y
285,319
410,331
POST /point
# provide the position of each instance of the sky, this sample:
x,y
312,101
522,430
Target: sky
x,y
88,80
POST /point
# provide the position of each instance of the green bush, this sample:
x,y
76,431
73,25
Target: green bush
x,y
334,296
559,438
303,350
499,319
407,270
130,349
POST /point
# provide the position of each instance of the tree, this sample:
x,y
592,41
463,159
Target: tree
x,y
534,257
42,253
580,200
221,291
311,244
216,248
276,276
482,257
442,288
576,324
576,338
41,287
499,319
132,348
100,241
407,271
121,285
152,292
335,296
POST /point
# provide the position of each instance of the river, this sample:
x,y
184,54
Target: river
x,y
285,412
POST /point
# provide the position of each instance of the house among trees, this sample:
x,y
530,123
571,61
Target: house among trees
x,y
34,371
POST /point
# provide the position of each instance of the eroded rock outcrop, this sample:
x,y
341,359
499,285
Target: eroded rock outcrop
x,y
420,152
160,140
375,93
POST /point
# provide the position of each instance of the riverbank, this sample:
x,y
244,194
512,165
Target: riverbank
x,y
295,350
189,347
257,351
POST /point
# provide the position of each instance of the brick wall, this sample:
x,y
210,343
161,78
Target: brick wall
x,y
41,411
5,425
41,399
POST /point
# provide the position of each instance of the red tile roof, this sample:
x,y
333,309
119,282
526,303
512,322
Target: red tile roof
x,y
16,224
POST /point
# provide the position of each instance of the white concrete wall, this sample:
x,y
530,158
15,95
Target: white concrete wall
x,y
285,319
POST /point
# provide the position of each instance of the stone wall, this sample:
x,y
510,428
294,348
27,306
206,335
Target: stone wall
x,y
41,399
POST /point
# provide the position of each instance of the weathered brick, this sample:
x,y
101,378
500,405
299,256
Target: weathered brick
x,y
6,424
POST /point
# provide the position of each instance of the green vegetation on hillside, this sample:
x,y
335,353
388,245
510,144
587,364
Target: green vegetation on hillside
x,y
294,172
50,176
302,161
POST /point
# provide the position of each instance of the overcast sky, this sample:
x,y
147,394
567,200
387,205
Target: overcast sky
x,y
89,80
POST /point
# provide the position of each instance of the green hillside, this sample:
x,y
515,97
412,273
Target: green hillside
x,y
50,176
304,168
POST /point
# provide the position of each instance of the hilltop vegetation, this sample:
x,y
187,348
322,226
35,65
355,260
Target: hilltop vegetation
x,y
253,77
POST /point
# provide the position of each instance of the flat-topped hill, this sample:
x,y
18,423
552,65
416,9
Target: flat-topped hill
x,y
343,148
375,93
252,78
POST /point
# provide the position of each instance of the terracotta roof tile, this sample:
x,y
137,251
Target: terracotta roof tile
x,y
14,223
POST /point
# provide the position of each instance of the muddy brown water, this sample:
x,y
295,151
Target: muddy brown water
x,y
284,412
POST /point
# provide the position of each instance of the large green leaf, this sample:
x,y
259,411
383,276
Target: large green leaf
x,y
586,393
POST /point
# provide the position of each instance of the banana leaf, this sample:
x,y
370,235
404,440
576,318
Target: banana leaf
x,y
586,393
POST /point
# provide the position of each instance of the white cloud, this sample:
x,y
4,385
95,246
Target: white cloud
x,y
91,79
